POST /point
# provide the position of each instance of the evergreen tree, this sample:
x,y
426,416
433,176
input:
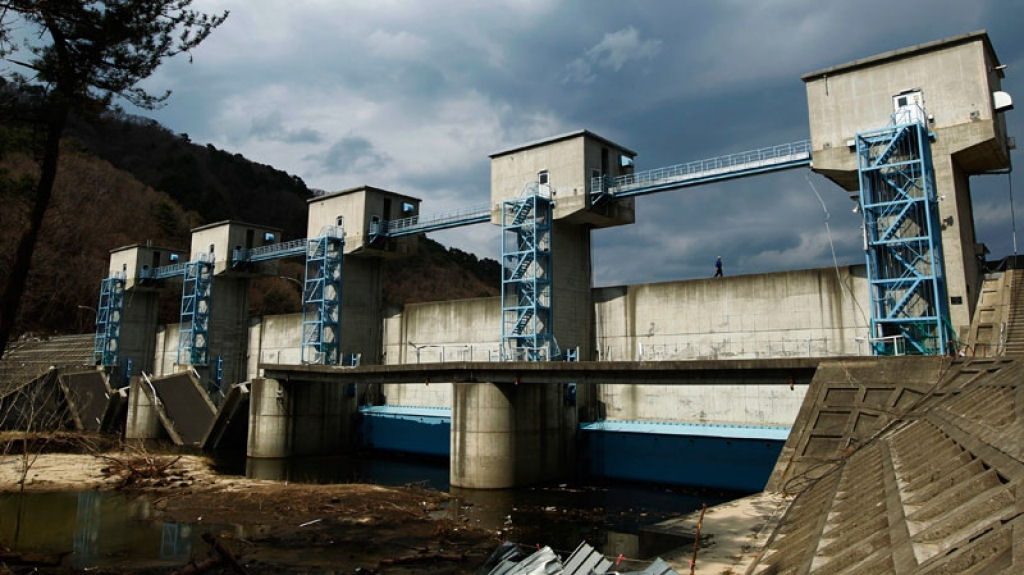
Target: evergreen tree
x,y
83,54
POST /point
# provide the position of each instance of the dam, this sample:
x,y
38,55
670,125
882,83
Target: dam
x,y
848,370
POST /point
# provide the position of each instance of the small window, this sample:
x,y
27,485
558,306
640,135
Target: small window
x,y
340,221
174,257
542,177
408,208
268,237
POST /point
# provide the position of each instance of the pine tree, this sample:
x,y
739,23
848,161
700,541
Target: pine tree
x,y
83,55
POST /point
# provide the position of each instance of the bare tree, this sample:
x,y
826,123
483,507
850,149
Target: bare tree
x,y
83,54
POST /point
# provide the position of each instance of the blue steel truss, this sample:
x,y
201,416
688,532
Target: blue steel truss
x,y
321,298
270,252
108,321
432,222
194,326
526,320
728,167
902,236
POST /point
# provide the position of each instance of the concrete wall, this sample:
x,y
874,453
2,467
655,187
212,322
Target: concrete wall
x,y
274,339
785,314
743,404
458,330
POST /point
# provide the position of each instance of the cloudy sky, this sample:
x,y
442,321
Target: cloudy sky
x,y
413,96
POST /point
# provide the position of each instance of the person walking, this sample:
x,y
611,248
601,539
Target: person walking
x,y
718,267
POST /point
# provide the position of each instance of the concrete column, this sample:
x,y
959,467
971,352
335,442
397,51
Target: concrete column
x,y
299,418
506,435
958,239
139,321
270,422
362,316
143,420
229,330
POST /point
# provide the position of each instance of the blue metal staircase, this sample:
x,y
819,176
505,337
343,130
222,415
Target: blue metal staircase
x,y
526,323
107,341
903,238
321,298
194,326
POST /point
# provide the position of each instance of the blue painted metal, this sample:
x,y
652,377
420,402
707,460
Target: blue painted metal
x,y
431,223
526,318
725,431
321,297
128,367
218,377
107,340
718,456
270,252
728,167
422,430
162,272
903,239
194,326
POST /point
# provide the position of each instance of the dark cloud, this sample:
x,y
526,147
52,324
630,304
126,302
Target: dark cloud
x,y
429,96
351,154
271,127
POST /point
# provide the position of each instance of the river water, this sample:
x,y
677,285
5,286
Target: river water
x,y
106,528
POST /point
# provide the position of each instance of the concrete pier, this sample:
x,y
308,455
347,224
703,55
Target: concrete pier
x,y
505,435
299,418
143,419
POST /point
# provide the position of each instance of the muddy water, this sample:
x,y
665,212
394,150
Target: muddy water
x,y
98,529
105,529
610,515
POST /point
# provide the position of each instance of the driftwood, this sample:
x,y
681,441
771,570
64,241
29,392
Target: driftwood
x,y
139,468
224,554
423,557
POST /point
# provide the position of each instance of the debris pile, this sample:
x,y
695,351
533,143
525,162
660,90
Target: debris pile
x,y
509,559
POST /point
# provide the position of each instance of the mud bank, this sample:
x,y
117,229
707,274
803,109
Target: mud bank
x,y
266,526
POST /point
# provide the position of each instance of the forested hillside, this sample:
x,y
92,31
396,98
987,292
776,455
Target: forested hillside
x,y
126,180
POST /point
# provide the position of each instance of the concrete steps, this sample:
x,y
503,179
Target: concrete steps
x,y
1015,326
938,490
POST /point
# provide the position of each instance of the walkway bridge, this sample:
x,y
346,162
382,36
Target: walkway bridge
x,y
728,167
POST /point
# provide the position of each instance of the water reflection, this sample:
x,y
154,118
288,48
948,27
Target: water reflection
x,y
608,514
94,528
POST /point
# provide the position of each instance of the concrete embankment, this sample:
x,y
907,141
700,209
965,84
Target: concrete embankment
x,y
911,465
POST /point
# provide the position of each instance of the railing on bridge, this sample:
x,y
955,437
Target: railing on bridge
x,y
432,222
772,158
269,252
162,272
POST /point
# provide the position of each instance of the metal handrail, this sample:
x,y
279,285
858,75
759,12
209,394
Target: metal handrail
x,y
466,213
761,157
162,272
271,251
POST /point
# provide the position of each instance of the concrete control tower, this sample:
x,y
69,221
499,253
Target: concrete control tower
x,y
952,88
